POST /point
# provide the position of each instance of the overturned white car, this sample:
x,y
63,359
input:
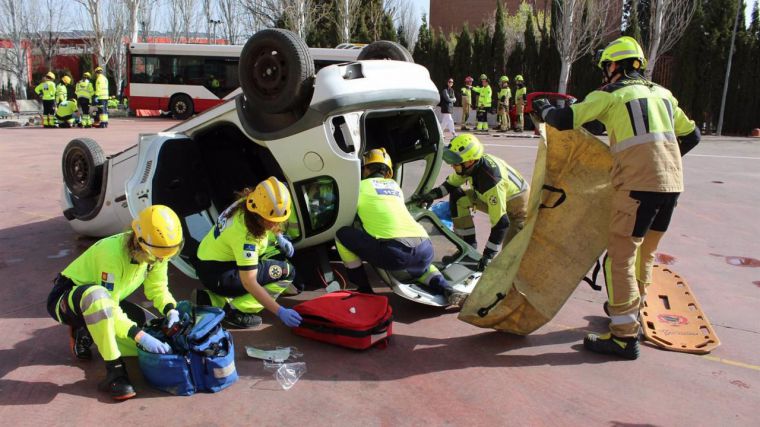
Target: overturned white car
x,y
308,129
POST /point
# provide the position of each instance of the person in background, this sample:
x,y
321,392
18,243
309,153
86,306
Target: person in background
x,y
101,97
62,90
466,92
84,92
89,295
520,98
46,91
64,114
505,93
448,98
484,103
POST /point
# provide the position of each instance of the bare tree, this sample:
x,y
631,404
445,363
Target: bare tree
x,y
230,11
146,14
133,24
114,46
581,25
94,13
189,16
668,21
346,15
46,32
299,16
406,20
14,60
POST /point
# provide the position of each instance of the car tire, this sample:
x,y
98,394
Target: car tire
x,y
181,107
82,165
276,71
384,49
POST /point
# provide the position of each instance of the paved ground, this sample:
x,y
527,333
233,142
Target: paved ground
x,y
437,371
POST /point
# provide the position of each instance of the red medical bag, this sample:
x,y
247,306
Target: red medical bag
x,y
348,319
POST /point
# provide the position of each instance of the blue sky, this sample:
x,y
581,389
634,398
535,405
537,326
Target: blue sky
x,y
421,6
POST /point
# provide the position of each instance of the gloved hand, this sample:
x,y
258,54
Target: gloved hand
x,y
289,317
95,100
424,198
151,344
539,107
172,317
285,246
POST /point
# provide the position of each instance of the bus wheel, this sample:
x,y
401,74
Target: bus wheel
x,y
82,166
181,107
276,71
384,49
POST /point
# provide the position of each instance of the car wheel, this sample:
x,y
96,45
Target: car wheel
x,y
181,107
82,165
276,71
384,49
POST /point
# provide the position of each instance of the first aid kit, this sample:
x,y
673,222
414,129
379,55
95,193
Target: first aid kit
x,y
202,358
348,319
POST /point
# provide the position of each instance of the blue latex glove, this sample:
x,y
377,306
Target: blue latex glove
x,y
289,317
151,344
172,317
285,246
96,100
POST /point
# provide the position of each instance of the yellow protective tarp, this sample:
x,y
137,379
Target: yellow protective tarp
x,y
530,280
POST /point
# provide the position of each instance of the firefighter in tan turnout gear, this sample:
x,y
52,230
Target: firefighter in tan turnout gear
x,y
649,134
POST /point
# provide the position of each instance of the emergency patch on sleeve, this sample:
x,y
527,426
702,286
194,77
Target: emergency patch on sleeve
x,y
493,200
248,250
107,280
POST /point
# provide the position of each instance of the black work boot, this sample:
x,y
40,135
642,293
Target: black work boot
x,y
80,342
358,276
627,348
117,383
237,319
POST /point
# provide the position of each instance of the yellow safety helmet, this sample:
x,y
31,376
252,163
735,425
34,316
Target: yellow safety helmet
x,y
483,77
50,75
270,199
378,155
87,75
158,231
463,148
66,80
622,48
98,69
504,79
519,78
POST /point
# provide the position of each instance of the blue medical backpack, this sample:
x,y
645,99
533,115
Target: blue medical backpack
x,y
203,357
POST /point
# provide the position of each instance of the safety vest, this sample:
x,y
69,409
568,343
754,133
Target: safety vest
x,y
520,95
65,109
383,212
61,93
101,87
107,263
466,95
46,90
494,182
84,89
505,94
484,96
229,240
643,121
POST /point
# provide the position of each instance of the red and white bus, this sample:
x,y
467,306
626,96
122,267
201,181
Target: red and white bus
x,y
189,78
